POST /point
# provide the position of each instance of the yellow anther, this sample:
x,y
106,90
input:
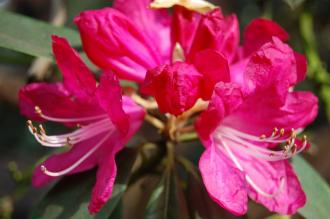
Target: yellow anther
x,y
42,130
275,130
282,131
31,126
304,138
43,168
37,110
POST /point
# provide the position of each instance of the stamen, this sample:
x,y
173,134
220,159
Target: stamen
x,y
31,126
274,133
77,163
56,119
248,178
71,138
244,142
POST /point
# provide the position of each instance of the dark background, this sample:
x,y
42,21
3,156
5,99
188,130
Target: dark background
x,y
18,149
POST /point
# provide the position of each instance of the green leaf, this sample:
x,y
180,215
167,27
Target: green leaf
x,y
277,216
69,197
316,68
164,201
31,36
325,94
317,190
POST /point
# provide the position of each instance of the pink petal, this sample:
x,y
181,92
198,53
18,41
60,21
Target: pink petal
x,y
112,41
261,31
224,183
105,179
175,87
226,98
55,101
61,161
154,23
217,32
267,175
231,37
135,114
301,64
110,99
77,78
237,71
184,26
214,67
270,72
257,118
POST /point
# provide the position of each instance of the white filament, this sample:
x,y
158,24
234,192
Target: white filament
x,y
248,178
78,162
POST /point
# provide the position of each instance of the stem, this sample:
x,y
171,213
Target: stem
x,y
147,104
155,122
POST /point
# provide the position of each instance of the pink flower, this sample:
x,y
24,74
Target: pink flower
x,y
176,87
133,40
244,125
128,39
106,121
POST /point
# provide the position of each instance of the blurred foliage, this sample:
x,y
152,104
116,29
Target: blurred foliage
x,y
180,193
317,190
30,36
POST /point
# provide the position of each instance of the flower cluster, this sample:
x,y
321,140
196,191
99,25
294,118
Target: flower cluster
x,y
189,61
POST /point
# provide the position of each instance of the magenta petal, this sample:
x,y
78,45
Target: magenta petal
x,y
135,114
224,183
259,32
267,175
226,98
110,99
113,42
61,161
214,67
154,23
77,78
270,72
51,98
184,26
105,178
301,64
175,87
254,117
217,32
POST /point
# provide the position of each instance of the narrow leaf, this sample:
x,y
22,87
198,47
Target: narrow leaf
x,y
31,36
164,203
317,190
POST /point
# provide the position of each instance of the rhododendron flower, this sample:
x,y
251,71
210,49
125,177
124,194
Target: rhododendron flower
x,y
104,118
133,40
244,126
